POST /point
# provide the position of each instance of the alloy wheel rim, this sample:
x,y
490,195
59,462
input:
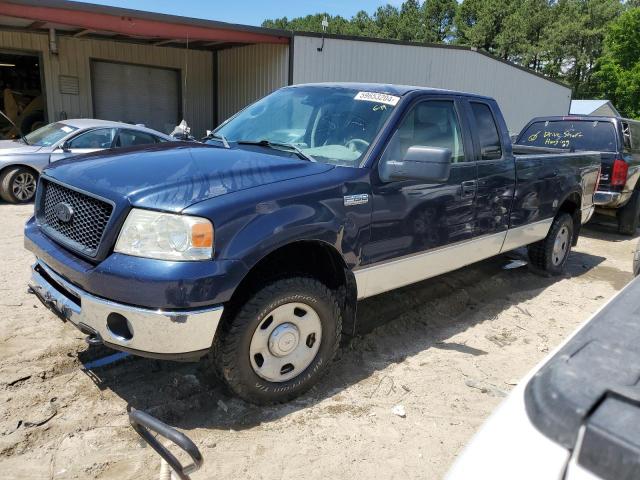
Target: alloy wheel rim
x,y
24,186
285,342
560,246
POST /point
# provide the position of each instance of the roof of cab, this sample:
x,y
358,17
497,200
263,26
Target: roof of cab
x,y
388,88
95,122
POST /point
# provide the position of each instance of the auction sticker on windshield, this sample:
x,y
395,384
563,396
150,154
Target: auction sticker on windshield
x,y
377,97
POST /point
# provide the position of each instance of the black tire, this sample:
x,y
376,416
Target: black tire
x,y
13,188
629,215
231,356
548,256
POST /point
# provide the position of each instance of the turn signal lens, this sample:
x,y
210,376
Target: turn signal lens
x,y
202,235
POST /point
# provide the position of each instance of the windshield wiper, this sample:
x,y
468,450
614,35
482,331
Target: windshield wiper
x,y
221,137
287,147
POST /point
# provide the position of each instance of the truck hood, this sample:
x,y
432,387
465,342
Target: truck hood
x,y
173,176
10,147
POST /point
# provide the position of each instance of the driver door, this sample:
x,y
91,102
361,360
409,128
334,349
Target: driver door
x,y
85,142
411,218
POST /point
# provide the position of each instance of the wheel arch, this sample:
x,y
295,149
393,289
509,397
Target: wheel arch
x,y
315,258
8,168
572,204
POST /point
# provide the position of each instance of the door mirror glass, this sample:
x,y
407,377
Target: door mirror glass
x,y
428,164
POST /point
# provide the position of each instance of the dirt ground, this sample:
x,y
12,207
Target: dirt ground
x,y
447,350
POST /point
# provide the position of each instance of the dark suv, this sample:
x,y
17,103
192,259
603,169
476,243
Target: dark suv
x,y
618,141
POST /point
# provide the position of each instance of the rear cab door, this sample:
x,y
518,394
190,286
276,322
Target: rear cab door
x,y
495,165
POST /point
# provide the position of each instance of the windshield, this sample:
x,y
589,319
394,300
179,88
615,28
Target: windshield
x,y
49,134
571,134
328,124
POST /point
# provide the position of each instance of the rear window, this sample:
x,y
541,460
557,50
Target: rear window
x,y
574,135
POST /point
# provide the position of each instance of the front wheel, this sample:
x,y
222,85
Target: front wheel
x,y
550,255
18,185
280,341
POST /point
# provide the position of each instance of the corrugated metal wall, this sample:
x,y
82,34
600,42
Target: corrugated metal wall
x,y
247,73
74,59
521,95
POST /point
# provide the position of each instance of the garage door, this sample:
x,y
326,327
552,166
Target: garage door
x,y
136,94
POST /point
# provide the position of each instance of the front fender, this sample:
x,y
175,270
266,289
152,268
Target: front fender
x,y
35,161
267,232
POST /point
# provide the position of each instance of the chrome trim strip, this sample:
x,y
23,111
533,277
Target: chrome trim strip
x,y
154,331
394,274
526,235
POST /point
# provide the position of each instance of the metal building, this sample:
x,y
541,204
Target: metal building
x,y
61,59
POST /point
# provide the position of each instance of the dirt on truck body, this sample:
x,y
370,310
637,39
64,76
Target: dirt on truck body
x,y
447,350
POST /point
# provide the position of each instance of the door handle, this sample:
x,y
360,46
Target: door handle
x,y
469,189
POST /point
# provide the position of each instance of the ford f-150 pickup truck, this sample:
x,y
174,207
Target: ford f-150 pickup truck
x,y
254,250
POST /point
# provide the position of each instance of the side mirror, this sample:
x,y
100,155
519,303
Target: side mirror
x,y
66,146
429,164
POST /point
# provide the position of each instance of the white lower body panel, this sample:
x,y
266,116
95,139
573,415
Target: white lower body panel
x,y
386,276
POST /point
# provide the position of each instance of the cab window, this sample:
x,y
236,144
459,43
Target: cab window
x,y
432,123
130,138
490,147
95,139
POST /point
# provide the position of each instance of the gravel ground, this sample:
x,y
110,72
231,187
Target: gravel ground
x,y
447,350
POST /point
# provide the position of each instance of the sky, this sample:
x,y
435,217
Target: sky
x,y
248,12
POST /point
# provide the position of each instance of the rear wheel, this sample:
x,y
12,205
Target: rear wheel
x,y
629,215
280,341
551,254
18,185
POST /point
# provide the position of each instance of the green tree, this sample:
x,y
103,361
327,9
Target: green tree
x,y
522,38
617,75
480,22
409,22
575,40
438,17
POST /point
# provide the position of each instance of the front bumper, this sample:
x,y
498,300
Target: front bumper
x,y
174,335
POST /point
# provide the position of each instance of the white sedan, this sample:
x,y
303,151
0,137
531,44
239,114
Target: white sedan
x,y
22,160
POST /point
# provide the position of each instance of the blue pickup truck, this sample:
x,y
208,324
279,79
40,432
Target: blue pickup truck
x,y
253,250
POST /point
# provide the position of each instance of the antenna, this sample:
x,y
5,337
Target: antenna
x,y
325,24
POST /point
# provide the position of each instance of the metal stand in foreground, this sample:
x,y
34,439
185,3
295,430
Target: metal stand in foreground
x,y
170,467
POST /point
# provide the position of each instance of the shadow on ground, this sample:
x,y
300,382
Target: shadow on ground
x,y
185,395
604,228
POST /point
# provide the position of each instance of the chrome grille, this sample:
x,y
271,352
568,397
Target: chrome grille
x,y
86,227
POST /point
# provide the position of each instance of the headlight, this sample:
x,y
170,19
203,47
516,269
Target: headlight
x,y
165,236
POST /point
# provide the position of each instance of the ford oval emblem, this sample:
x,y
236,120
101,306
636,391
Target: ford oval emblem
x,y
64,212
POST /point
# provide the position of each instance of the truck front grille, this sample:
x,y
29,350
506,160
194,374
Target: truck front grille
x,y
88,220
